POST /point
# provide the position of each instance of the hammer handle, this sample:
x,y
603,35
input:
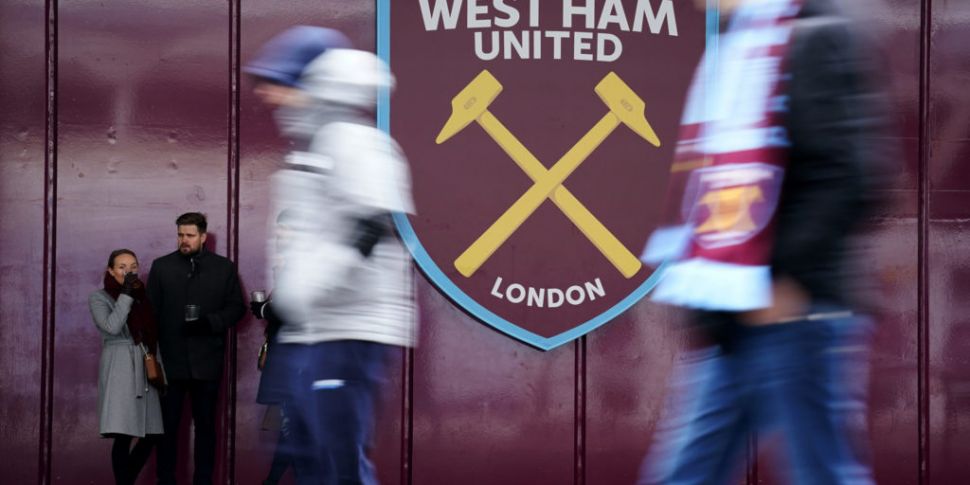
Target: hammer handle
x,y
496,234
601,237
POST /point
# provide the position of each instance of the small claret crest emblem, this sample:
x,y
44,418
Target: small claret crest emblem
x,y
731,204
730,209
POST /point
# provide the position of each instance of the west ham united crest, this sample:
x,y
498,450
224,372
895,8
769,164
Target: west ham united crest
x,y
540,136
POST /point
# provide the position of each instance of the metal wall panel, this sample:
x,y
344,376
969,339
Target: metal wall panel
x,y
488,409
142,137
144,129
948,237
23,119
891,260
629,360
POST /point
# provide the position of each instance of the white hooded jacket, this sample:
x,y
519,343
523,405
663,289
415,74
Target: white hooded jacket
x,y
325,288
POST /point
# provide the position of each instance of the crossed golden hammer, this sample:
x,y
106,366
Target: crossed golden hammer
x,y
471,104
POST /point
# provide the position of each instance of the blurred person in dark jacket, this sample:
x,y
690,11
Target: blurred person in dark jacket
x,y
196,297
342,279
780,121
271,390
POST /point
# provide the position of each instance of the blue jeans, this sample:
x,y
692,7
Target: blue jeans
x,y
804,379
333,390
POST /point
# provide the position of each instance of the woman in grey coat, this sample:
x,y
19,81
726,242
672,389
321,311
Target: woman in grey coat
x,y
128,406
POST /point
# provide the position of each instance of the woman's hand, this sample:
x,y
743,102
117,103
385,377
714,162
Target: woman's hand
x,y
130,284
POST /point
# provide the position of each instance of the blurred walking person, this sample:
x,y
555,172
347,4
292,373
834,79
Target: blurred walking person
x,y
276,70
271,390
128,404
778,119
343,286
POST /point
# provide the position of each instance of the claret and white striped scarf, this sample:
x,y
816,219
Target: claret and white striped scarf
x,y
728,169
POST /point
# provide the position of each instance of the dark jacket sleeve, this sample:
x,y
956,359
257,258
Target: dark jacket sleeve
x,y
368,231
832,120
155,290
233,307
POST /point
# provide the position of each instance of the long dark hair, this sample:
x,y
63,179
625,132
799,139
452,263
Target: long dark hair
x,y
119,252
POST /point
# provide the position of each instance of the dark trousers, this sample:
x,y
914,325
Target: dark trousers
x,y
334,389
282,457
804,379
127,461
204,397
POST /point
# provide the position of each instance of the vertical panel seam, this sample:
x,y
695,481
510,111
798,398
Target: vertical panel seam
x,y
50,248
579,403
923,364
751,470
232,230
407,417
232,223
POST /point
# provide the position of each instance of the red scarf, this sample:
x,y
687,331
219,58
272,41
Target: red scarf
x,y
728,169
141,318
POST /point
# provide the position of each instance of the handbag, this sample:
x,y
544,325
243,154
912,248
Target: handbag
x,y
153,369
261,356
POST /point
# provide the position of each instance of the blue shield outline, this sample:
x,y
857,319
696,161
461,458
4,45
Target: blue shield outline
x,y
452,291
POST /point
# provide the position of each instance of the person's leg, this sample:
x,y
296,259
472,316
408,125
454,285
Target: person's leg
x,y
139,455
205,399
119,459
300,412
701,440
851,389
171,403
346,394
281,456
303,442
821,401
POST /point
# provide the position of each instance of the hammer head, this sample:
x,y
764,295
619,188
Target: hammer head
x,y
626,106
470,103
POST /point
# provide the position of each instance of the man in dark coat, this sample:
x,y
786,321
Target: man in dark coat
x,y
192,340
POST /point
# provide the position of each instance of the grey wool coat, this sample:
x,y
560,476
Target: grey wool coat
x,y
127,404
